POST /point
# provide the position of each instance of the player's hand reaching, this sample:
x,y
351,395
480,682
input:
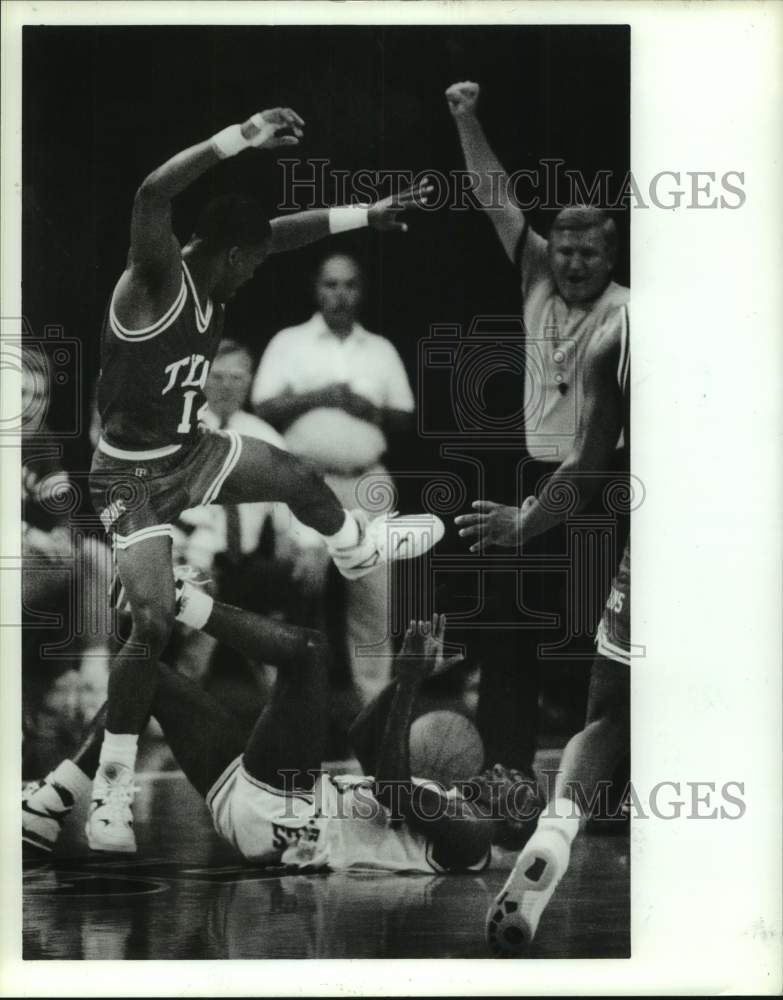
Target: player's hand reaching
x,y
422,654
493,524
383,214
276,127
463,98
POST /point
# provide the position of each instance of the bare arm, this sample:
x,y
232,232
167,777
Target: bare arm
x,y
153,277
459,837
600,425
292,231
492,190
286,407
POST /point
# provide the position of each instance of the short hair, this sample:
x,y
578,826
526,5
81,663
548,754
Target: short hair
x,y
233,220
581,217
228,346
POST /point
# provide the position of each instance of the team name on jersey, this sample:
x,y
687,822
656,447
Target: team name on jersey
x,y
284,836
110,514
197,371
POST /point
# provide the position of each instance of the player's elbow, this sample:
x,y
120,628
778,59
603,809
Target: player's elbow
x,y
149,191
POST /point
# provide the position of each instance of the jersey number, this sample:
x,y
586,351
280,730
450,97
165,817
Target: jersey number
x,y
187,410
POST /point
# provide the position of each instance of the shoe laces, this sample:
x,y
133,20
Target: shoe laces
x,y
118,796
29,788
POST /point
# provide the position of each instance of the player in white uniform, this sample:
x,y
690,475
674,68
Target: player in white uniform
x,y
589,759
266,792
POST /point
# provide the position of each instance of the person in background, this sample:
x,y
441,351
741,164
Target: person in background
x,y
567,293
227,538
337,392
258,554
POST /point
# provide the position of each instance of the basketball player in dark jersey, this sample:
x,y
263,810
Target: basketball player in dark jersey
x,y
152,461
590,758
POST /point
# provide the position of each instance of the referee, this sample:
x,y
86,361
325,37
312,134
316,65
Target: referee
x,y
567,294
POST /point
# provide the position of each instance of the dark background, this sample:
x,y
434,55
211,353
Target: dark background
x,y
102,107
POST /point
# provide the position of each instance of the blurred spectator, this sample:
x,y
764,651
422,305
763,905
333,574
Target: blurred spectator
x,y
336,392
256,553
65,584
226,538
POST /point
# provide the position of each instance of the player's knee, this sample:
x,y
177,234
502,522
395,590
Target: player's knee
x,y
615,709
152,626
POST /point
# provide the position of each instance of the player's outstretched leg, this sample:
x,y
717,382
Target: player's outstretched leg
x,y
203,736
145,571
588,762
358,545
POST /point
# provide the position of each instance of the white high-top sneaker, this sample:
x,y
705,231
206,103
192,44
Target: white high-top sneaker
x,y
386,539
512,920
45,807
109,824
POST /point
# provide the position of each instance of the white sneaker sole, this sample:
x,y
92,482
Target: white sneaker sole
x,y
106,847
512,919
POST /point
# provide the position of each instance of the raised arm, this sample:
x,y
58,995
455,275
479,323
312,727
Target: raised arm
x,y
459,837
292,231
152,277
492,190
600,424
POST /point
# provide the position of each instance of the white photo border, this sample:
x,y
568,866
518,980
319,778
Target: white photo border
x,y
707,422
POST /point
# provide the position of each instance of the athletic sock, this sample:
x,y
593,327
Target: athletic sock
x,y
555,831
347,537
562,815
119,749
194,606
72,778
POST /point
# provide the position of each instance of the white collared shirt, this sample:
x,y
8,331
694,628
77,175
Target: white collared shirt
x,y
558,336
308,357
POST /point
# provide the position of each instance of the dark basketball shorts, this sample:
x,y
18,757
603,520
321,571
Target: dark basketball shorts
x,y
137,497
613,638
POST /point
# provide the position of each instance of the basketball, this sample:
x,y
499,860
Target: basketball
x,y
446,747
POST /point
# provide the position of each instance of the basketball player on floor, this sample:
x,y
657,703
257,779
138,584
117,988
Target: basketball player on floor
x,y
160,334
590,758
264,789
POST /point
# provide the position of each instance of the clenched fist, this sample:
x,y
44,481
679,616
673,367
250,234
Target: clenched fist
x,y
276,127
463,98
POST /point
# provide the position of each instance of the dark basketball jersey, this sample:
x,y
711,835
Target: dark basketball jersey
x,y
151,385
613,639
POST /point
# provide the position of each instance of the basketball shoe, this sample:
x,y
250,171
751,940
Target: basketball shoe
x,y
387,538
512,920
109,824
46,805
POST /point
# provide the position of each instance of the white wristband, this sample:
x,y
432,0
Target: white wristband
x,y
347,217
229,141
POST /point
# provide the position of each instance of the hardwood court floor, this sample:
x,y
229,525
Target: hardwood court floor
x,y
186,895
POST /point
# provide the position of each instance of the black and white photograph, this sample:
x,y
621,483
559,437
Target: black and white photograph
x,y
330,462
